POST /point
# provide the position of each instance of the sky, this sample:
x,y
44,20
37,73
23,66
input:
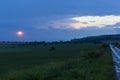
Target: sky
x,y
55,20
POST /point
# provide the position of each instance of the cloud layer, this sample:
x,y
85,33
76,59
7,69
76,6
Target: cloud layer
x,y
85,22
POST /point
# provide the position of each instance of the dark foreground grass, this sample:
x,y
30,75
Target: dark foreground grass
x,y
57,62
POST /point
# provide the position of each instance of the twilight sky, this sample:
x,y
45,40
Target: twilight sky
x,y
52,20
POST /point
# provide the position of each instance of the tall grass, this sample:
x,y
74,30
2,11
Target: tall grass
x,y
65,62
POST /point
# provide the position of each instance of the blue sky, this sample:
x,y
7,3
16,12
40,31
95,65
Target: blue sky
x,y
52,20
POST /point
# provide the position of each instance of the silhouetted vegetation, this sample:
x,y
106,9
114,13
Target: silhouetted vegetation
x,y
52,48
99,39
93,55
105,45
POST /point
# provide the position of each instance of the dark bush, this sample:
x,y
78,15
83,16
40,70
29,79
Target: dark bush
x,y
52,48
105,46
92,55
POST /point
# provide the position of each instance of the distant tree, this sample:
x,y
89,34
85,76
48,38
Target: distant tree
x,y
61,41
96,42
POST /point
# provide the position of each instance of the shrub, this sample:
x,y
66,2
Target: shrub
x,y
92,55
105,46
52,48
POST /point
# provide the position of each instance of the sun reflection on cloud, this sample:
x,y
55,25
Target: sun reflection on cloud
x,y
86,21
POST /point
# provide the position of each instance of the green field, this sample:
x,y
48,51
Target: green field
x,y
62,61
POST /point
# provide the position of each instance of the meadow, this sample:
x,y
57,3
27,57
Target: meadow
x,y
61,61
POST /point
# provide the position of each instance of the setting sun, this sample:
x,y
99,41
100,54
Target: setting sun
x,y
20,33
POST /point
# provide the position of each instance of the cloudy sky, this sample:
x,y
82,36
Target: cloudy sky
x,y
52,20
